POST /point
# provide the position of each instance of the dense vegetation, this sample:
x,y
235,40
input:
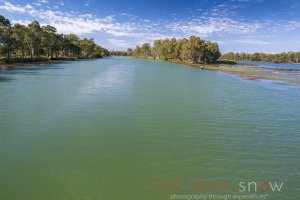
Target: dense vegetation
x,y
121,53
290,57
20,43
192,50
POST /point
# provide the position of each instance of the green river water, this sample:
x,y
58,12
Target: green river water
x,y
122,128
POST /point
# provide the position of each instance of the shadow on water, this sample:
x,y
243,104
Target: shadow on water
x,y
7,73
28,70
5,79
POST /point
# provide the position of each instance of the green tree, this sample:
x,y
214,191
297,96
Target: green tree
x,y
19,36
178,48
34,38
129,52
48,39
192,51
74,44
87,47
6,39
145,50
36,41
210,52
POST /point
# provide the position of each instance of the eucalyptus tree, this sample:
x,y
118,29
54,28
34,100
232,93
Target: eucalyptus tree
x,y
37,41
137,51
178,48
19,37
157,49
145,50
210,53
192,50
168,48
129,52
6,41
49,39
34,38
75,44
87,47
164,49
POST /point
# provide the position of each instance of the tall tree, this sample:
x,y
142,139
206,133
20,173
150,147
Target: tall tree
x,y
192,50
19,36
87,47
34,38
145,50
48,39
6,41
35,41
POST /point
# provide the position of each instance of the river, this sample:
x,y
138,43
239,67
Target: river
x,y
123,128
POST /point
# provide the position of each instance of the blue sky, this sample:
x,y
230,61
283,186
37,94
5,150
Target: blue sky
x,y
237,25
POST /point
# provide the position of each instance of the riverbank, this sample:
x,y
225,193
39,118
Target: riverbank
x,y
281,75
244,71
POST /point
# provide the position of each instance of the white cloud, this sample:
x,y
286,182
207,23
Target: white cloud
x,y
211,25
11,8
292,25
42,1
124,14
257,42
119,43
247,41
28,6
215,21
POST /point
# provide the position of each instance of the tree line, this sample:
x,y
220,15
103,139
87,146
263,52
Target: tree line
x,y
192,50
36,41
285,57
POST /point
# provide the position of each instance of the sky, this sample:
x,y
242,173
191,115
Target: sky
x,y
249,26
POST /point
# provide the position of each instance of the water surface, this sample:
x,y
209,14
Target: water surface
x,y
115,128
